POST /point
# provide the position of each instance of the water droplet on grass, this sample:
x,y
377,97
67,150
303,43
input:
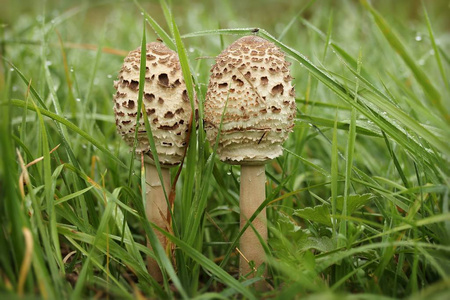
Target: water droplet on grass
x,y
109,76
229,173
78,99
418,38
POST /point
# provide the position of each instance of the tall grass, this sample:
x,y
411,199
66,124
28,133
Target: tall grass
x,y
358,203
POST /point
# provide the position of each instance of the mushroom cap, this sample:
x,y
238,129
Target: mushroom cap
x,y
251,77
165,99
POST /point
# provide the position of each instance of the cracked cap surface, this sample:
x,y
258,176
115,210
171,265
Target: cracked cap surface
x,y
251,77
165,99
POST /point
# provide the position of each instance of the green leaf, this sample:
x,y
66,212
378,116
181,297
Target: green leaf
x,y
354,202
319,214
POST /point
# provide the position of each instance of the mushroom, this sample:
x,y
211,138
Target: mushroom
x,y
168,111
251,78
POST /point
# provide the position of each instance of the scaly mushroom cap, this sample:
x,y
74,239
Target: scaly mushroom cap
x,y
251,77
165,99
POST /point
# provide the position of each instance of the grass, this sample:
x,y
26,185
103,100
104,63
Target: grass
x,y
358,205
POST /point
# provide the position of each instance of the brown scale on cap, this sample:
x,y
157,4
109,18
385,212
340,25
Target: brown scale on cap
x,y
165,99
252,77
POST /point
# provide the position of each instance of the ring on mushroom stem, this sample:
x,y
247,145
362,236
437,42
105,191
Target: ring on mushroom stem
x,y
168,111
251,77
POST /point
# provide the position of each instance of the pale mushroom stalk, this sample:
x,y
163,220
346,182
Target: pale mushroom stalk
x,y
156,209
251,78
168,110
252,195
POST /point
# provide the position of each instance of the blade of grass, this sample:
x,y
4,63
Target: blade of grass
x,y
435,48
392,37
334,176
69,125
157,28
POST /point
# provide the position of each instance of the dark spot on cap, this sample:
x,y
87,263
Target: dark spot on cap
x,y
160,100
275,110
179,110
264,80
163,79
169,115
177,82
120,95
185,96
134,85
126,122
155,120
223,85
149,97
124,83
278,89
150,111
167,127
130,104
292,92
238,81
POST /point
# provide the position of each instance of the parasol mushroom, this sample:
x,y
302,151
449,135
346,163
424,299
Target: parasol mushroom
x,y
168,109
251,78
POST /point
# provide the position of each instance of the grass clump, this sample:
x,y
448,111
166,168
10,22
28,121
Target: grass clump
x,y
358,203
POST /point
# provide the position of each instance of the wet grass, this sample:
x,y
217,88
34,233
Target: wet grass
x,y
358,205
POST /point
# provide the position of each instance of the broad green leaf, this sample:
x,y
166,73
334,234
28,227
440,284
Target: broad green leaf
x,y
318,214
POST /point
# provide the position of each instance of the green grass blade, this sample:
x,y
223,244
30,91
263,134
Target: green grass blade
x,y
435,48
392,37
210,266
157,28
69,125
334,176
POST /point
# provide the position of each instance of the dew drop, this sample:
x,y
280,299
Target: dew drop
x,y
191,49
229,173
78,99
142,13
109,76
48,63
418,38
12,69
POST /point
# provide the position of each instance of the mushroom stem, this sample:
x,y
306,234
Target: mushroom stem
x,y
252,194
156,210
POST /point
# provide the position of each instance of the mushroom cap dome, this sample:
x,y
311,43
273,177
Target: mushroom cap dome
x,y
251,78
165,99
